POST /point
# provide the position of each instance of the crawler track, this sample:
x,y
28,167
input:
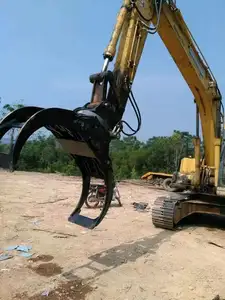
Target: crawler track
x,y
163,212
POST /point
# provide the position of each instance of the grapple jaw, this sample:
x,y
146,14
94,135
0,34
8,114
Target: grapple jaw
x,y
84,133
85,136
13,120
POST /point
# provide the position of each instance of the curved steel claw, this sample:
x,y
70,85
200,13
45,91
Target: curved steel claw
x,y
87,222
84,135
14,119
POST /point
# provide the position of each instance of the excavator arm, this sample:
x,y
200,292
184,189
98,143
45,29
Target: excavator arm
x,y
131,29
177,38
86,132
134,23
185,52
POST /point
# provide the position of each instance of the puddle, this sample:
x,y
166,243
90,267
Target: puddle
x,y
70,290
47,269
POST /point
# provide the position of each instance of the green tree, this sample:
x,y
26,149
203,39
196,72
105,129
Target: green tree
x,y
131,158
6,109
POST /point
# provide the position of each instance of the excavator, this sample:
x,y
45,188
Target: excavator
x,y
181,178
85,133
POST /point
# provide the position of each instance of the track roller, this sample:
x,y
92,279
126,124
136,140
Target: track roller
x,y
163,212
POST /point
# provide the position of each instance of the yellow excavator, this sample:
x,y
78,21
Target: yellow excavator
x,y
185,168
158,179
86,132
180,180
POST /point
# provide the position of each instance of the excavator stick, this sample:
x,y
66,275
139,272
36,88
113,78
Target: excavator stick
x,y
83,135
14,119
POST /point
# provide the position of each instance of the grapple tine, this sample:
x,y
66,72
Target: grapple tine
x,y
14,119
83,135
87,222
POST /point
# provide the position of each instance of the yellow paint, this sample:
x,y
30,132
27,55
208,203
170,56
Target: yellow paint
x,y
131,34
175,35
196,178
187,165
149,174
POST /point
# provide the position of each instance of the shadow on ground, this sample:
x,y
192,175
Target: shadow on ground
x,y
112,258
211,222
77,287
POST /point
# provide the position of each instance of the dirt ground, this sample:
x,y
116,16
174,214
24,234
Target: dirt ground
x,y
124,258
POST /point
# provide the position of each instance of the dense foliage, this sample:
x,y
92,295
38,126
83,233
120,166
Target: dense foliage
x,y
131,157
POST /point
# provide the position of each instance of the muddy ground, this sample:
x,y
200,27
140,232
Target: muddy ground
x,y
124,258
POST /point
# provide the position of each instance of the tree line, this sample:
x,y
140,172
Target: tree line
x,y
131,157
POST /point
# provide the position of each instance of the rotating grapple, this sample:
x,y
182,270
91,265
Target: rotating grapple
x,y
84,133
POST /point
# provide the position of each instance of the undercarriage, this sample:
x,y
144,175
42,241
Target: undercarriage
x,y
168,211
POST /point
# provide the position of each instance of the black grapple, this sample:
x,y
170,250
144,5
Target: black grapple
x,y
84,133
